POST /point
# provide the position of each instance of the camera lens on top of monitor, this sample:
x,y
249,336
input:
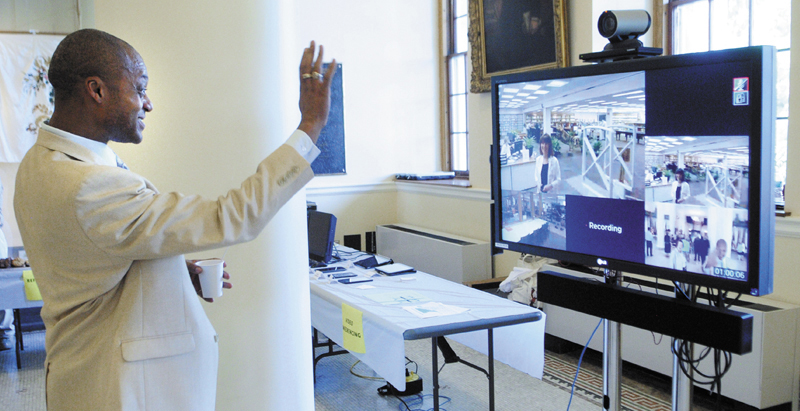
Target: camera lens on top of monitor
x,y
619,25
608,25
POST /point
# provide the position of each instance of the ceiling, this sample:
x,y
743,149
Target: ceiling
x,y
623,92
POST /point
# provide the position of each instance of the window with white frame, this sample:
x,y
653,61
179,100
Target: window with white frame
x,y
703,25
456,61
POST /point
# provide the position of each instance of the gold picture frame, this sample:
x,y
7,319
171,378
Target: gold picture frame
x,y
500,32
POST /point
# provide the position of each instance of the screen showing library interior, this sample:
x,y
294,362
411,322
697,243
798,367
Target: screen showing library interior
x,y
649,167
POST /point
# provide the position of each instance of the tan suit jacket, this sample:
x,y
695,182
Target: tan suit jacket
x,y
125,329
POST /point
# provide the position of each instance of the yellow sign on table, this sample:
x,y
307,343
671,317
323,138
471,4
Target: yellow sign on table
x,y
353,329
31,289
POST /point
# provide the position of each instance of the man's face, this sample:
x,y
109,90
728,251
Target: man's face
x,y
130,103
722,249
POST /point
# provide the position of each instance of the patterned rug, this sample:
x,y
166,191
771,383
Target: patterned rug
x,y
589,386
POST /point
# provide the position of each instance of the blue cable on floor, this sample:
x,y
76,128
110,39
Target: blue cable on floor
x,y
419,400
572,391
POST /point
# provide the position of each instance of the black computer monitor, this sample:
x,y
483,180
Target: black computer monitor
x,y
692,202
321,230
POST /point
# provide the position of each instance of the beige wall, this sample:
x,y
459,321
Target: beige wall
x,y
389,58
357,209
41,16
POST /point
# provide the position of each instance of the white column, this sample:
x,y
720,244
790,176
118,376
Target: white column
x,y
219,77
547,125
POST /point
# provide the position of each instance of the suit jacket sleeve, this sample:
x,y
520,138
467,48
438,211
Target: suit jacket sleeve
x,y
126,216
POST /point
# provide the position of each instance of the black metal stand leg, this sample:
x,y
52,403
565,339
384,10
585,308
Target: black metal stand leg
x,y
612,356
491,369
18,336
314,353
329,345
435,367
682,387
450,357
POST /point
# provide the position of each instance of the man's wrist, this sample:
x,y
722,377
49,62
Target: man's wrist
x,y
311,128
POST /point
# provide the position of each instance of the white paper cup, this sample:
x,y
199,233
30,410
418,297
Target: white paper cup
x,y
211,278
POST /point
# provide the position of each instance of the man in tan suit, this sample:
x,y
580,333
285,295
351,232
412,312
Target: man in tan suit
x,y
125,329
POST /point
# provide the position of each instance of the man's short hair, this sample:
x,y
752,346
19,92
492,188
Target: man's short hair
x,y
85,53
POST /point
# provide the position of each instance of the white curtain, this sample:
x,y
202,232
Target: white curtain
x,y
26,98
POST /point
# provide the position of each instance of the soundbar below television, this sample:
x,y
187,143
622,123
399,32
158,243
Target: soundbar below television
x,y
662,166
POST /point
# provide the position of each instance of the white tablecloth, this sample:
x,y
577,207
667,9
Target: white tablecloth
x,y
386,326
12,289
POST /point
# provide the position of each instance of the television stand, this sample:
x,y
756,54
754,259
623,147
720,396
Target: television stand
x,y
765,378
612,362
612,354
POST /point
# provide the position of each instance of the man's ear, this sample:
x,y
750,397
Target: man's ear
x,y
96,89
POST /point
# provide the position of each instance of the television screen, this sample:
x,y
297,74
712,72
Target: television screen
x,y
660,166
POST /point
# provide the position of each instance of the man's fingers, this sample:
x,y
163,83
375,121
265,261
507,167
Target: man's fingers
x,y
308,59
330,73
318,62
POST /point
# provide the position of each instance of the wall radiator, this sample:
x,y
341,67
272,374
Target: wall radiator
x,y
444,255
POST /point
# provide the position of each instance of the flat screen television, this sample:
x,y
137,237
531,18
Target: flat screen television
x,y
662,166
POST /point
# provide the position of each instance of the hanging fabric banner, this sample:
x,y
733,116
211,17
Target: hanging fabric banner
x,y
26,96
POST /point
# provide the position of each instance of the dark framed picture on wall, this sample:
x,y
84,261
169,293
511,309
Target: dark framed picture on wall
x,y
511,36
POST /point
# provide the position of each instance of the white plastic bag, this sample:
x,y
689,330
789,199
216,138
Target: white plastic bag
x,y
521,282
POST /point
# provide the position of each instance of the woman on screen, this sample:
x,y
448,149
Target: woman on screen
x,y
548,172
680,188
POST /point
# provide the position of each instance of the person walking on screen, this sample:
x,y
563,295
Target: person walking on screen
x,y
678,257
125,327
705,246
648,241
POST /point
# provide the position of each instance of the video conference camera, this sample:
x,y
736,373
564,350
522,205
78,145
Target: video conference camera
x,y
622,28
623,25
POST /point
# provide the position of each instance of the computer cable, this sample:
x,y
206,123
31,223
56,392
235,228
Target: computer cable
x,y
634,281
580,359
416,366
722,359
366,377
347,255
420,399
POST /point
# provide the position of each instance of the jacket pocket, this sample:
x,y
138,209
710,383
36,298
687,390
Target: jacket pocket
x,y
157,347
